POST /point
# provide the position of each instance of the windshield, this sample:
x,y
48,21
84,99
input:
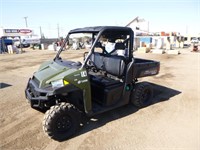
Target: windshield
x,y
75,45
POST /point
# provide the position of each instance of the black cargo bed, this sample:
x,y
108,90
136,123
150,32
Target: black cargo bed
x,y
144,67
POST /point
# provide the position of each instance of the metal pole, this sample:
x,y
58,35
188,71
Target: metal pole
x,y
26,21
58,31
41,32
186,29
20,44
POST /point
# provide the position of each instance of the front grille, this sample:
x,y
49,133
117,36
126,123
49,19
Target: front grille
x,y
32,89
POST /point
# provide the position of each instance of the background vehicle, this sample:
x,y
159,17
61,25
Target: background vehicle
x,y
27,41
106,79
194,40
23,44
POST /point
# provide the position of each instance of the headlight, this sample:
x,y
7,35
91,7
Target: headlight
x,y
59,83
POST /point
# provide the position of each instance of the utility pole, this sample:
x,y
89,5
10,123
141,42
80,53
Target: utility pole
x,y
41,32
58,31
186,29
26,21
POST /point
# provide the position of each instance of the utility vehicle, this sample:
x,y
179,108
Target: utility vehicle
x,y
106,79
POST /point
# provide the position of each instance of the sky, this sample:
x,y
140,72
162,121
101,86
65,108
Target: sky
x,y
48,15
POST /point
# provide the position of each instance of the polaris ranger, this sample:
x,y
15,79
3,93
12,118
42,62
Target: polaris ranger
x,y
105,80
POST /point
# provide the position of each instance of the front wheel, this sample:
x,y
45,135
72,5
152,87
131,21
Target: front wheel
x,y
142,94
61,121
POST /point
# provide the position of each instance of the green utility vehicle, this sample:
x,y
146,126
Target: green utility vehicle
x,y
106,79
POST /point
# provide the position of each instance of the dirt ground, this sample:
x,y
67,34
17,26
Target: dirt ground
x,y
171,122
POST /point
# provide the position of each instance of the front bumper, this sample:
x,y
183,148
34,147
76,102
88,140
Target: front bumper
x,y
37,97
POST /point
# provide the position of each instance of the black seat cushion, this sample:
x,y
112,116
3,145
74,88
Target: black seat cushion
x,y
103,81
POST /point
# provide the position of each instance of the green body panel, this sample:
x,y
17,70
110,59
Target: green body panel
x,y
52,71
80,79
47,71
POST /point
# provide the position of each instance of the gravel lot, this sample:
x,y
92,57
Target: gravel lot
x,y
171,122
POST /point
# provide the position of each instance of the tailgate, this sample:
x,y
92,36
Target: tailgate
x,y
144,67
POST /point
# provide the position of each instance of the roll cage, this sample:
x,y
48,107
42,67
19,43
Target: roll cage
x,y
109,32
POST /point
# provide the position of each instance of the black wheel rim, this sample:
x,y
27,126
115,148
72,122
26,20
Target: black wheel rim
x,y
63,123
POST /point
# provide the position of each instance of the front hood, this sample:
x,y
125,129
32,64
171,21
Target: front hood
x,y
48,71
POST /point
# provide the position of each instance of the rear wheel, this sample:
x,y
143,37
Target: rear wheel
x,y
61,121
142,94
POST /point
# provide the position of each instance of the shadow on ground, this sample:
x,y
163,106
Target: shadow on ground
x,y
4,85
161,94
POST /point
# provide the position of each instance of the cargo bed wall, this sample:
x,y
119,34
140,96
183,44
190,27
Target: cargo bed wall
x,y
144,67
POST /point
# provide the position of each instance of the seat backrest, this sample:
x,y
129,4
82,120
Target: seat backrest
x,y
119,46
97,59
114,65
